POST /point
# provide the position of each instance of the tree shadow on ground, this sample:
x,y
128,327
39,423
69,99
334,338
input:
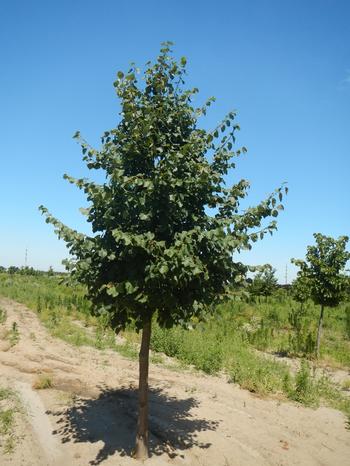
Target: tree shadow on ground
x,y
111,418
281,354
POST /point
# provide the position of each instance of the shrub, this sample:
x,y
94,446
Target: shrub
x,y
305,390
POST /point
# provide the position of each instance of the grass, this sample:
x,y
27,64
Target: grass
x,y
231,342
63,310
346,384
8,409
3,316
306,388
227,342
13,334
42,382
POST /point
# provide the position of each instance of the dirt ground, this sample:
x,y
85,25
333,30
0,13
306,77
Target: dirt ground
x,y
89,416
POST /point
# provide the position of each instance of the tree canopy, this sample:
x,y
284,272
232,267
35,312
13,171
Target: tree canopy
x,y
264,282
322,275
300,289
323,271
156,246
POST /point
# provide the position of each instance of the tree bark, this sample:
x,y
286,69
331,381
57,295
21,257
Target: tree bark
x,y
319,332
141,446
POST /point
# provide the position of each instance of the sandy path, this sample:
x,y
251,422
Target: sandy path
x,y
89,417
40,424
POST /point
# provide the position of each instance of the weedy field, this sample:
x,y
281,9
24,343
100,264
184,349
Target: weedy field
x,y
244,384
264,345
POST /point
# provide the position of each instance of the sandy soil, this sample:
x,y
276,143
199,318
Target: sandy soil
x,y
89,417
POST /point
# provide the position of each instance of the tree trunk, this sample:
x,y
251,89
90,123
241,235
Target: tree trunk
x,y
319,331
141,446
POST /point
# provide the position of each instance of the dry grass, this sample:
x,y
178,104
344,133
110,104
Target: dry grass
x,y
43,382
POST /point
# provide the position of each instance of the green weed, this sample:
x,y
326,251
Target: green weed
x,y
13,335
305,390
347,322
7,419
3,316
5,393
346,384
127,350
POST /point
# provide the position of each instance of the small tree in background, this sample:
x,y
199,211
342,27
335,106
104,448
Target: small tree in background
x,y
264,282
347,292
155,249
302,338
323,273
300,291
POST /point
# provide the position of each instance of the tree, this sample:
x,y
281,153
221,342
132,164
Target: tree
x,y
264,283
157,251
323,273
300,290
347,292
302,339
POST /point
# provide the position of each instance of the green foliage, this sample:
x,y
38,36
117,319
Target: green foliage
x,y
277,326
300,289
305,389
210,349
61,308
311,390
5,393
3,316
8,409
264,283
346,385
323,275
13,334
28,271
258,374
189,347
261,337
323,270
347,321
301,340
6,421
155,247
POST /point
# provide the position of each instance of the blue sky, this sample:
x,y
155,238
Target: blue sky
x,y
284,66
